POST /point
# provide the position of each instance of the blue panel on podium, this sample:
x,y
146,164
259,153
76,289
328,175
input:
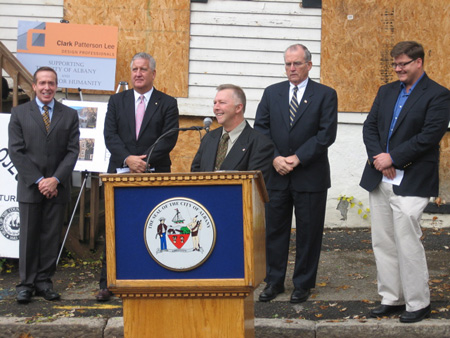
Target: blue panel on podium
x,y
132,208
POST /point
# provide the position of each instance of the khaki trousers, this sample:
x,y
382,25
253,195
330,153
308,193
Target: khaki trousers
x,y
402,270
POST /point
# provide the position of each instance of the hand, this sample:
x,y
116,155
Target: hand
x,y
47,186
382,161
389,173
51,195
136,163
284,165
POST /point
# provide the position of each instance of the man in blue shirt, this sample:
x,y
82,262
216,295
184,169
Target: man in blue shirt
x,y
402,134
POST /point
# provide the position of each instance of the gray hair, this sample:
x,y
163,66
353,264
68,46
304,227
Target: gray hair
x,y
146,56
297,46
238,94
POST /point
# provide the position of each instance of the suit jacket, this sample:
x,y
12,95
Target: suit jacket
x,y
160,116
37,154
313,131
414,143
251,151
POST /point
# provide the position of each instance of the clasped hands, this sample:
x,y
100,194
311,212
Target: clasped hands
x,y
284,165
47,187
136,163
383,162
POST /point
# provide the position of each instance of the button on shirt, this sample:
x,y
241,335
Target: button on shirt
x,y
401,100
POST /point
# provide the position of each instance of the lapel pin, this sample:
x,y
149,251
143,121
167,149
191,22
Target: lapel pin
x,y
306,101
156,103
243,149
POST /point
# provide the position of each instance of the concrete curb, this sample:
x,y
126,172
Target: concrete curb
x,y
384,328
15,327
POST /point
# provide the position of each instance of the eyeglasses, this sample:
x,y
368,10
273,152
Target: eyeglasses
x,y
296,64
401,65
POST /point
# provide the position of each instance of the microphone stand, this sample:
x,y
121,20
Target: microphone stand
x,y
170,131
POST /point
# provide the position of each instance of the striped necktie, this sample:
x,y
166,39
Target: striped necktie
x,y
46,117
293,106
222,151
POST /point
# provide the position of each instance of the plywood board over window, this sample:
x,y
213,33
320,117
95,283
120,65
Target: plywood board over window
x,y
357,37
158,27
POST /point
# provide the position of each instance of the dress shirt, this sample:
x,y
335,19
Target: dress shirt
x,y
234,134
301,90
41,105
137,99
401,100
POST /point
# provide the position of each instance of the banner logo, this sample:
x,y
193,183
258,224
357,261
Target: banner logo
x,y
10,224
180,234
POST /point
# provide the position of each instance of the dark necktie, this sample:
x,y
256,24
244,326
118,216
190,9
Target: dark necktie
x,y
293,106
222,150
46,117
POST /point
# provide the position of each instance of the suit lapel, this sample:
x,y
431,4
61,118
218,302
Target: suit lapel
x,y
283,103
238,150
37,116
130,111
211,149
152,107
56,117
412,99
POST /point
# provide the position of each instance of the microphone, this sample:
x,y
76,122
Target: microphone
x,y
207,123
170,131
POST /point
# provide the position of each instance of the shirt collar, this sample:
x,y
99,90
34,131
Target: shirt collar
x,y
236,132
147,95
41,105
403,86
300,86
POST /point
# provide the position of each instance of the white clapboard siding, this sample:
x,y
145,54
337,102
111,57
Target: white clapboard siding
x,y
13,11
242,42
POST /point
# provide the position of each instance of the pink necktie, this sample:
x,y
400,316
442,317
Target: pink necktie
x,y
140,114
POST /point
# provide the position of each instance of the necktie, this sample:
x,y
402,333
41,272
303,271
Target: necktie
x,y
222,150
293,106
140,111
46,117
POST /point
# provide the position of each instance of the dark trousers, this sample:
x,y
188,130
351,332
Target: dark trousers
x,y
310,217
40,232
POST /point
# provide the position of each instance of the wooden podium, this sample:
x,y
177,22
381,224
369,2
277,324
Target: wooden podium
x,y
168,287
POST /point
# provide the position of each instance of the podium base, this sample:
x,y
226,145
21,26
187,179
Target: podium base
x,y
189,317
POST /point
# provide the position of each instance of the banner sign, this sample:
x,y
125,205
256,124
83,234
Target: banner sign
x,y
9,207
93,157
83,56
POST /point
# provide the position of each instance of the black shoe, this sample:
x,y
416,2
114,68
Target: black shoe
x,y
103,295
300,295
270,292
24,296
386,310
415,316
48,294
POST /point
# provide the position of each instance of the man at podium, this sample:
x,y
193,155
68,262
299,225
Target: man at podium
x,y
236,145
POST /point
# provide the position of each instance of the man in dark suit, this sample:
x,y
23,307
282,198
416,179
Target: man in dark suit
x,y
402,133
300,116
135,119
244,148
44,146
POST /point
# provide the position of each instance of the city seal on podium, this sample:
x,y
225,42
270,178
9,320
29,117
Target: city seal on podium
x,y
180,234
10,224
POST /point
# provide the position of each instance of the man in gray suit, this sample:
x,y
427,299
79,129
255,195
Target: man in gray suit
x,y
244,149
44,146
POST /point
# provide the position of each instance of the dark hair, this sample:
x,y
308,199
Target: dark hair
x,y
411,48
238,93
46,69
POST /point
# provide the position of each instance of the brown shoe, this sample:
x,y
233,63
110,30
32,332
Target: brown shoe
x,y
103,295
